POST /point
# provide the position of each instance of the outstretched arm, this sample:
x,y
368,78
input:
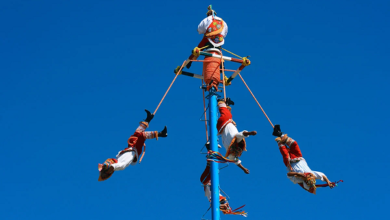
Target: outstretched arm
x,y
295,174
243,168
330,184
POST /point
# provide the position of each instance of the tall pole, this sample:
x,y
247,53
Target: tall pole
x,y
215,213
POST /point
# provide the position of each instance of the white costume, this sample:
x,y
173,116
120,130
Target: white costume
x,y
302,167
228,134
125,159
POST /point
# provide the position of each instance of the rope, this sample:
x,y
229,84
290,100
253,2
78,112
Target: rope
x,y
214,156
231,53
154,113
212,76
205,117
206,213
255,99
203,47
223,77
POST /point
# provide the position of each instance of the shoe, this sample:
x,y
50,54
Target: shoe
x,y
149,116
229,101
163,133
277,132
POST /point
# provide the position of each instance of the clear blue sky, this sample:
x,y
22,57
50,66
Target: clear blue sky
x,y
76,77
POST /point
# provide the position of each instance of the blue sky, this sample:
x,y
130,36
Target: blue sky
x,y
76,77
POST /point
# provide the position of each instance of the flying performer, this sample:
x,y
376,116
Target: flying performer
x,y
297,169
130,154
232,140
224,206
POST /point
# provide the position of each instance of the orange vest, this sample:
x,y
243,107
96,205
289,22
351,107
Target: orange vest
x,y
214,31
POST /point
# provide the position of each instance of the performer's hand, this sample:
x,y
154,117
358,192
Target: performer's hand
x,y
331,185
246,170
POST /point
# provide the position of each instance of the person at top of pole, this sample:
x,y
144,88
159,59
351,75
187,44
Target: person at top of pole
x,y
214,30
130,154
224,206
232,140
297,169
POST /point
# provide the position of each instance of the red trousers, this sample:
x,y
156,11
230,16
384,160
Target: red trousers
x,y
226,115
203,42
292,153
205,177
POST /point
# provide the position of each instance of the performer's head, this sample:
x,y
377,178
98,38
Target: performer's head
x,y
210,11
310,181
106,170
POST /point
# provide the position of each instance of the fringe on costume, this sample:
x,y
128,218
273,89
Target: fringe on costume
x,y
217,157
228,210
235,212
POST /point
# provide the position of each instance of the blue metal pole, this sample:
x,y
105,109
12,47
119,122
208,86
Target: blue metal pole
x,y
215,213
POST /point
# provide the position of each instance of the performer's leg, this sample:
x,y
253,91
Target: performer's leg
x,y
285,154
207,192
225,114
224,111
155,134
124,160
205,177
150,134
142,126
294,147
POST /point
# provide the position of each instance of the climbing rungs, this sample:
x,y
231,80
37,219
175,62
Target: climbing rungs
x,y
219,56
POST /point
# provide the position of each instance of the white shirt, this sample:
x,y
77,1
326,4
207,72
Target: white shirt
x,y
302,167
228,133
205,23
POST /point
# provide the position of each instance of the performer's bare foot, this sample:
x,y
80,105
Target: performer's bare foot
x,y
246,133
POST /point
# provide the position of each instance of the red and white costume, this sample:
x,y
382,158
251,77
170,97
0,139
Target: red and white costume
x,y
232,140
214,29
225,208
135,143
292,158
205,179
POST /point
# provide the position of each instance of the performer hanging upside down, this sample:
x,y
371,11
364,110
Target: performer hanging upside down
x,y
130,154
224,206
232,140
297,169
